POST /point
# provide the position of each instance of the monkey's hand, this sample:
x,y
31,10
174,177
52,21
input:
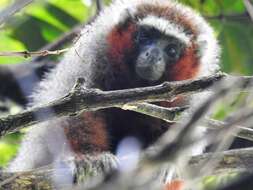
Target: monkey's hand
x,y
94,165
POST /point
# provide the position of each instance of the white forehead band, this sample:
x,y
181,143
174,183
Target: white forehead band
x,y
166,27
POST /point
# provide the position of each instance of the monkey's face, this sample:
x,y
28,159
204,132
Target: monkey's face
x,y
153,45
156,52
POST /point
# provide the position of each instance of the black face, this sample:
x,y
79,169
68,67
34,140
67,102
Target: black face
x,y
156,52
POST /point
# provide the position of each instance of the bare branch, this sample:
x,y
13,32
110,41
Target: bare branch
x,y
238,160
41,179
86,169
12,9
249,8
244,133
99,5
67,37
79,100
27,54
168,114
172,145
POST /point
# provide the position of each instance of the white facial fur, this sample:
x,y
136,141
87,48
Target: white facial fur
x,y
167,27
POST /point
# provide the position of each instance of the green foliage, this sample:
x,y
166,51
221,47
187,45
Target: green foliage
x,y
213,182
234,33
8,43
8,148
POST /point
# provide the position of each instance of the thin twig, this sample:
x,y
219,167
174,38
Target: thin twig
x,y
65,38
27,54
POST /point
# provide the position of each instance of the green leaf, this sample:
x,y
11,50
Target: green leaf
x,y
8,147
10,44
75,8
41,13
237,47
7,151
30,33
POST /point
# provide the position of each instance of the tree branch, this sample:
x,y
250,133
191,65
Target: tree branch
x,y
244,133
80,99
66,37
168,114
12,9
249,8
99,5
237,160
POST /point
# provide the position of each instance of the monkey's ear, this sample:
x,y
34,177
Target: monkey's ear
x,y
127,16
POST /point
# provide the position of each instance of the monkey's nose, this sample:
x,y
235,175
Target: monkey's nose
x,y
152,55
150,64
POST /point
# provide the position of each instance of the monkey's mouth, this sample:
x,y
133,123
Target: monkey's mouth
x,y
150,70
148,73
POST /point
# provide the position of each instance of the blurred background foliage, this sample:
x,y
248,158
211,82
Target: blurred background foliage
x,y
42,22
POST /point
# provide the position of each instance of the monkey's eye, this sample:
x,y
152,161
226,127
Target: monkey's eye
x,y
172,51
144,38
